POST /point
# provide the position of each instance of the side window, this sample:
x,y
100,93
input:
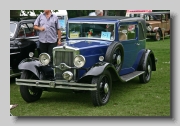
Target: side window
x,y
122,31
29,30
146,17
127,32
26,30
163,17
21,32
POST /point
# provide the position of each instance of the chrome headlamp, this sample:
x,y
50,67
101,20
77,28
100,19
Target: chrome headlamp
x,y
68,75
31,54
101,58
79,61
44,58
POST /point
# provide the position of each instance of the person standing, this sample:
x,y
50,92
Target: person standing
x,y
92,14
99,12
49,29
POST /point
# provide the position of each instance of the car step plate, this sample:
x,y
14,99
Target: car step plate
x,y
130,76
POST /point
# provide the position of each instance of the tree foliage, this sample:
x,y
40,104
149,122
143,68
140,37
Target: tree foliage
x,y
74,13
71,13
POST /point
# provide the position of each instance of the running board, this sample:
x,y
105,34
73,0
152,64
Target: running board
x,y
130,76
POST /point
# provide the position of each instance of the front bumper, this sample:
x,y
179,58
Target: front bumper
x,y
60,84
150,34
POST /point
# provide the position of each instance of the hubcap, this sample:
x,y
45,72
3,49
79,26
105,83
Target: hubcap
x,y
118,59
106,88
149,69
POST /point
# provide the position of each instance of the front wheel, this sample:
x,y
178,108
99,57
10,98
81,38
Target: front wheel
x,y
104,85
157,36
29,93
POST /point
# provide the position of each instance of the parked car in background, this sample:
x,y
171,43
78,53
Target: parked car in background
x,y
136,13
97,52
23,40
158,24
61,14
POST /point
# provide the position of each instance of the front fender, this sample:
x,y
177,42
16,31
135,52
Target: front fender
x,y
31,65
97,70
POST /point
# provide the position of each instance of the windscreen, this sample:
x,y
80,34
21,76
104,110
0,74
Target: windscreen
x,y
91,31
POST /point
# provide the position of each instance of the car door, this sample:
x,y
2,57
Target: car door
x,y
128,36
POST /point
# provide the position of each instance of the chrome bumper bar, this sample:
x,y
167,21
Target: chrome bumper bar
x,y
61,84
150,34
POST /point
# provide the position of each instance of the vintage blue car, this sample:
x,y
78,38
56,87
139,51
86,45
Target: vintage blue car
x,y
97,52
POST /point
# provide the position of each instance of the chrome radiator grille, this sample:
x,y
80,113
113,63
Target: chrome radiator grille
x,y
63,57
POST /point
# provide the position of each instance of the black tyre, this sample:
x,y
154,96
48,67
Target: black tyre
x,y
104,85
157,37
145,78
29,93
114,55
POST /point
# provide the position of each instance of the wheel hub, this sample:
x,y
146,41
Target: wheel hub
x,y
106,88
157,36
149,69
118,59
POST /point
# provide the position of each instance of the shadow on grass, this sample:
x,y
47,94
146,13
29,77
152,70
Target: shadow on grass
x,y
152,40
68,97
118,88
82,98
122,87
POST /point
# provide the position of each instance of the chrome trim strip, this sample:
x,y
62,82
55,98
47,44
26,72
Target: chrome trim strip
x,y
57,84
14,53
150,34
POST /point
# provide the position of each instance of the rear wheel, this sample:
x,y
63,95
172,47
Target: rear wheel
x,y
104,85
145,78
29,93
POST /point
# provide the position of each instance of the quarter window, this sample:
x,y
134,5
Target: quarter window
x,y
26,30
127,32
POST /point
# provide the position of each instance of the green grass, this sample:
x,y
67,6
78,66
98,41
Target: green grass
x,y
127,99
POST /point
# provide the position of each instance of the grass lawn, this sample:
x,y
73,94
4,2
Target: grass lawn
x,y
127,99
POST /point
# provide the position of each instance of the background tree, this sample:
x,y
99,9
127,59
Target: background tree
x,y
75,13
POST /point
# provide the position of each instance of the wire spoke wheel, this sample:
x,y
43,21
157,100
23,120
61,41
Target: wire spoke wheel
x,y
144,78
104,85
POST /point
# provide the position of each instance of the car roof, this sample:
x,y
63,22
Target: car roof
x,y
108,18
158,13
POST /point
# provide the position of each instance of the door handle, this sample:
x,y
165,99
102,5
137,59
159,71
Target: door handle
x,y
137,44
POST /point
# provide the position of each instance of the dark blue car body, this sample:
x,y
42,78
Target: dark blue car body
x,y
109,49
